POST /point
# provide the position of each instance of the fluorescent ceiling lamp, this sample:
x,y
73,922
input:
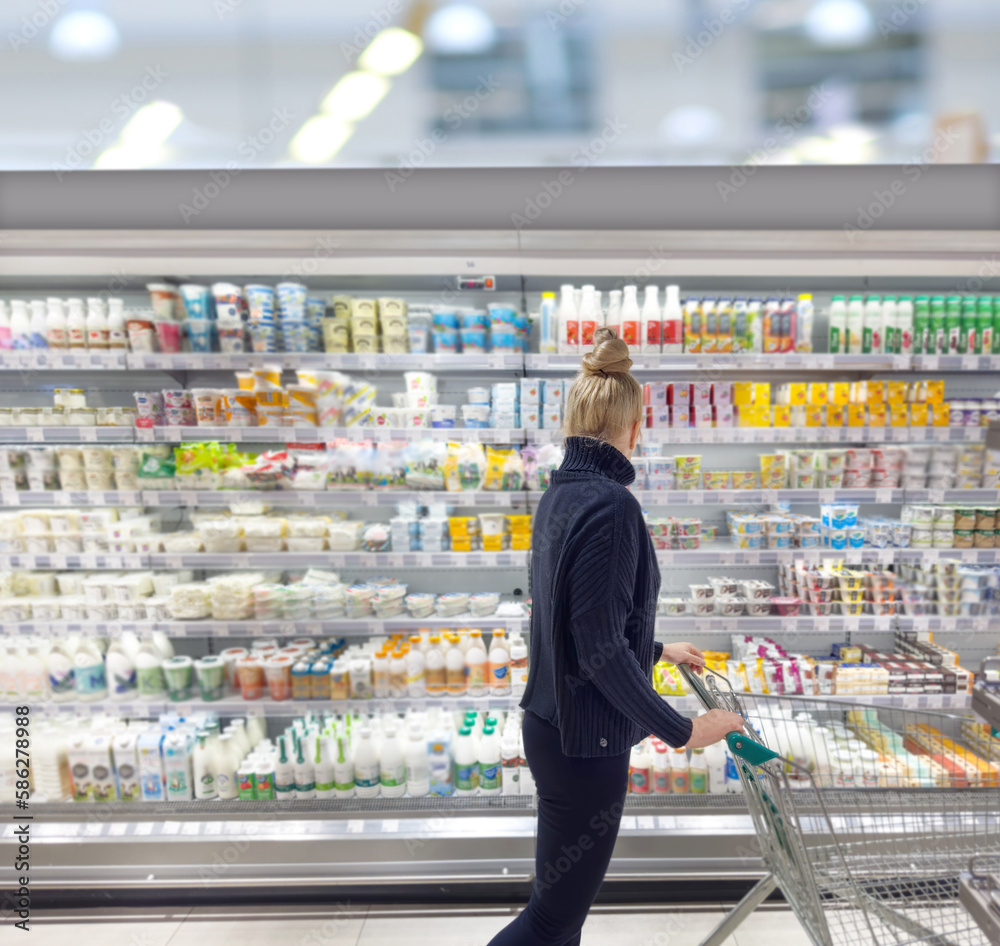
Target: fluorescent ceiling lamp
x,y
86,34
151,125
460,29
840,23
355,96
319,139
391,52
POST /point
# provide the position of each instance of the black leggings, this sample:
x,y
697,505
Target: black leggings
x,y
580,805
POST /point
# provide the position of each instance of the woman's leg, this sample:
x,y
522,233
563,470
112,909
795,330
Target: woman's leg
x,y
580,805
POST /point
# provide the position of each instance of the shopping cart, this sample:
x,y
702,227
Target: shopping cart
x,y
867,842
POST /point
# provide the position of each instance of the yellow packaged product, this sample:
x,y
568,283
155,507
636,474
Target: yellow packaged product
x,y
667,680
736,673
876,392
762,392
814,417
687,464
839,393
745,479
743,393
896,392
716,480
877,415
940,415
899,417
919,415
520,541
461,545
782,416
935,391
818,394
504,469
835,416
519,524
797,393
856,415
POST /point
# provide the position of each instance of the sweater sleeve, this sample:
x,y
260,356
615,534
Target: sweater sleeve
x,y
599,589
657,652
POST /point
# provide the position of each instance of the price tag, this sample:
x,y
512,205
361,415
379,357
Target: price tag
x,y
970,556
35,434
355,826
91,830
921,623
173,561
973,433
255,709
694,497
935,495
930,555
191,828
144,434
390,826
117,828
645,823
883,495
821,623
769,496
788,625
88,434
665,558
170,827
970,362
62,499
900,362
883,623
827,495
730,624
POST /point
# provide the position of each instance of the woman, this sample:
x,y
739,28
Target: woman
x,y
589,698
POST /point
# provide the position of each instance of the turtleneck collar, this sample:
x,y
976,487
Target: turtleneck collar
x,y
586,455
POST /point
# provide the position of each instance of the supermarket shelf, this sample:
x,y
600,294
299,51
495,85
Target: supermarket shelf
x,y
332,497
984,623
360,627
328,434
233,705
66,435
772,624
723,554
285,560
769,435
58,360
350,361
89,560
71,498
955,363
699,497
975,496
737,361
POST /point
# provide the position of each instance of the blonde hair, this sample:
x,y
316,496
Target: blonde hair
x,y
605,400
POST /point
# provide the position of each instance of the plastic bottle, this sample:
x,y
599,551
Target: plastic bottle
x,y
510,761
715,759
890,314
6,339
680,780
838,326
591,317
204,767
76,324
904,326
804,315
91,680
39,313
569,322
631,318
392,765
613,319
672,333
366,764
117,326
466,763
454,663
499,664
476,661
984,325
953,325
490,763
305,773
325,774
380,674
434,670
417,761
97,324
518,665
20,325
397,673
733,784
640,770
855,325
55,324
226,766
120,670
34,673
416,670
938,329
62,672
284,773
698,771
651,338
548,324
871,340
661,770
343,769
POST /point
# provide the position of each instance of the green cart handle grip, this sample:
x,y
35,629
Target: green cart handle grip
x,y
742,746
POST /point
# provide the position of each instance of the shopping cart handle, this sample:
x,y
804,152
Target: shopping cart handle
x,y
741,745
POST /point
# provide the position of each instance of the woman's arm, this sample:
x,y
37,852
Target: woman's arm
x,y
607,661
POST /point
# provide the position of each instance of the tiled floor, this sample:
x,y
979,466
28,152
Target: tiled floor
x,y
389,926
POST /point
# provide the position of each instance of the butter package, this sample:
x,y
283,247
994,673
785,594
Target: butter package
x,y
680,416
679,394
724,416
552,391
658,417
654,394
722,393
702,415
531,391
701,394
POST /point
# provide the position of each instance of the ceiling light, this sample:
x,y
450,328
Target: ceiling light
x,y
319,139
391,52
691,125
840,23
121,158
84,35
151,125
460,29
355,96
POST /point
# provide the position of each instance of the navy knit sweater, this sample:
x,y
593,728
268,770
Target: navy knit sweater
x,y
594,588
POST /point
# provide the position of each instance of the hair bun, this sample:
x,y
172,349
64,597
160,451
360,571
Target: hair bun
x,y
609,357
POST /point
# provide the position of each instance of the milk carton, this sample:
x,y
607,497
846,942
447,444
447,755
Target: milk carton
x,y
127,766
151,775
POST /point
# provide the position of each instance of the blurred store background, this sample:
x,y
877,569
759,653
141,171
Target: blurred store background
x,y
407,83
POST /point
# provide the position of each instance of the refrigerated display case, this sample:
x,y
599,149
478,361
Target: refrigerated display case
x,y
447,242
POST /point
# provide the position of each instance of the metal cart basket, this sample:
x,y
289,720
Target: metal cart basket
x,y
864,815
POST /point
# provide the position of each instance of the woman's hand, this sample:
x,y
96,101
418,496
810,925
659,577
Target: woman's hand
x,y
711,727
683,653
